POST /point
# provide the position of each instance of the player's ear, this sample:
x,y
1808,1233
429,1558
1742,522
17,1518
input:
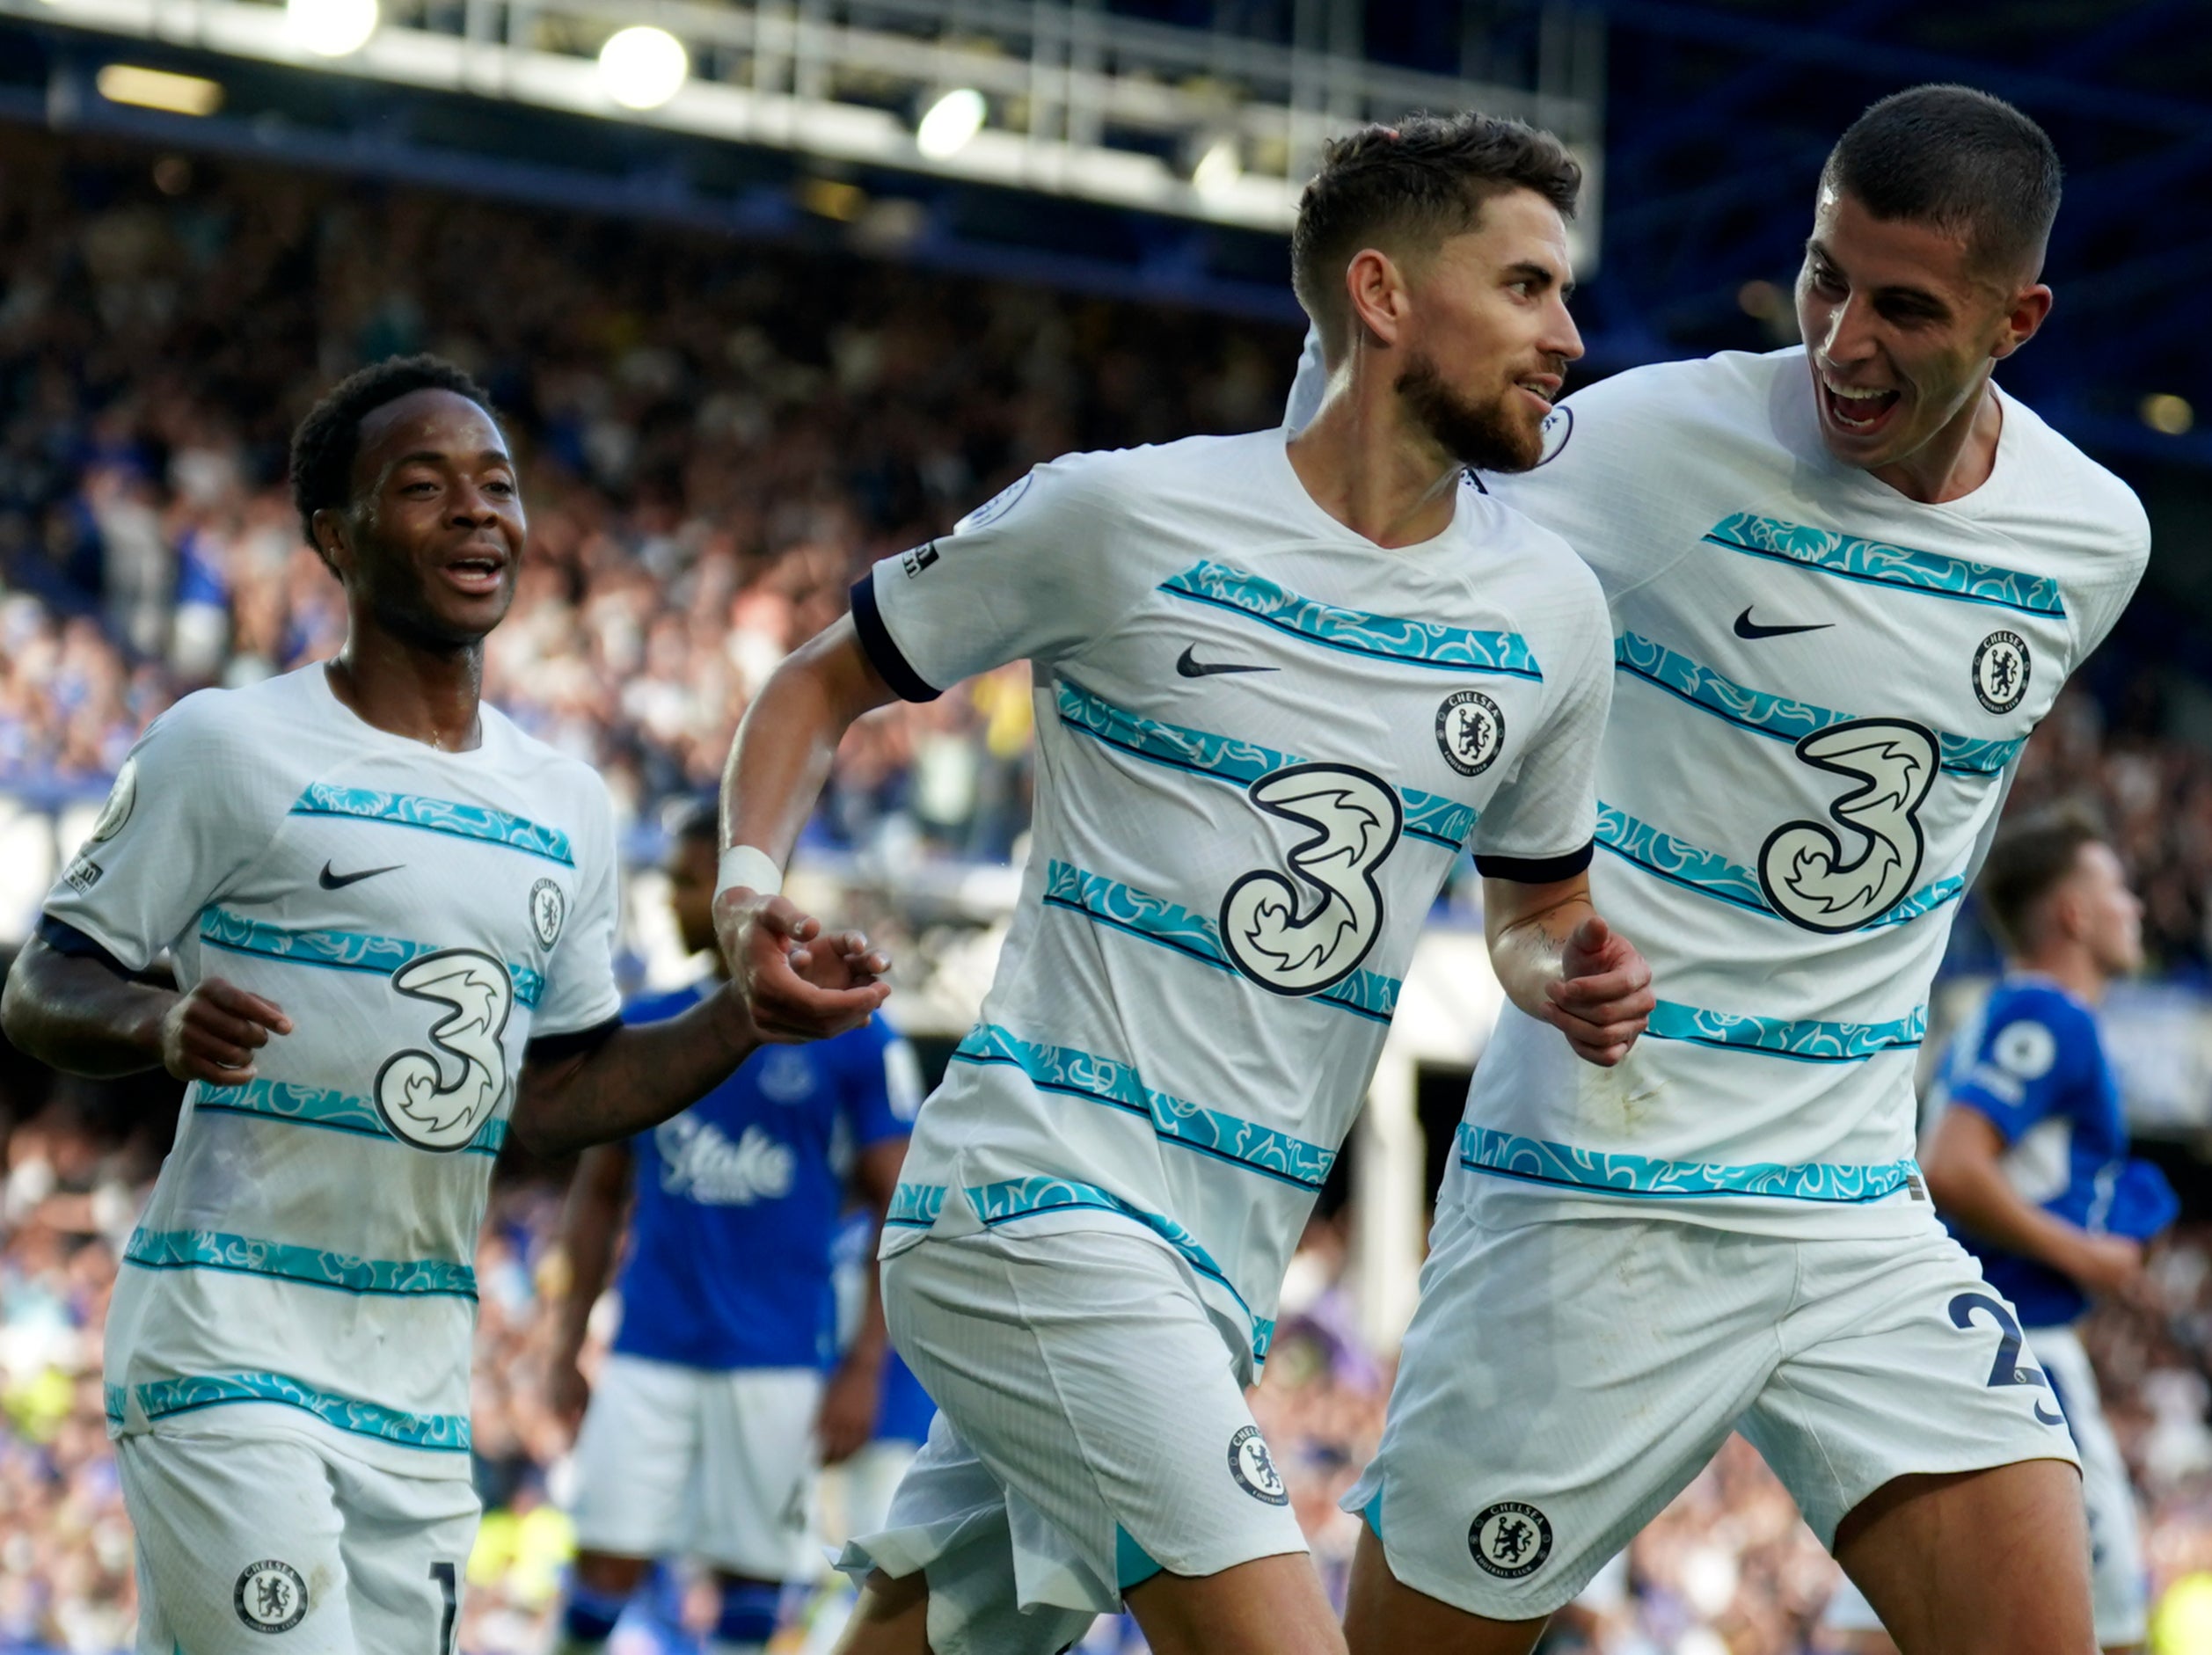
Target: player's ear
x,y
1375,292
331,533
2026,314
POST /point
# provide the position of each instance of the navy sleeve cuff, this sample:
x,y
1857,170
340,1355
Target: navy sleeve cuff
x,y
883,654
1536,870
64,938
554,1048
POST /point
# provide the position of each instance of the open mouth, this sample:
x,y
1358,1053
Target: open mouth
x,y
1859,410
1542,389
477,573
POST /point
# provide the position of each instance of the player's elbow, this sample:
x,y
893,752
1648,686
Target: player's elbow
x,y
530,1125
23,1003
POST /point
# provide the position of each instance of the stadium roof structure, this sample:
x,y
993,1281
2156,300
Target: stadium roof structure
x,y
1152,149
1059,139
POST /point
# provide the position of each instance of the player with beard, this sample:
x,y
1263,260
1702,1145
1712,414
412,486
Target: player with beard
x,y
392,916
1279,686
1847,580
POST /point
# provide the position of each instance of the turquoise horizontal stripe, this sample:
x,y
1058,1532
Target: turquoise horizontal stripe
x,y
337,950
1679,862
1244,1144
915,1205
1773,716
1879,563
1710,874
446,1433
312,1106
479,822
1924,900
309,1266
1538,1161
1386,637
1454,649
1430,816
1123,908
1805,1041
114,1400
1011,1198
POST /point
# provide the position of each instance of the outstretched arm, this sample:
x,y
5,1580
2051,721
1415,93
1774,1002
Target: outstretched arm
x,y
1564,966
610,1082
776,770
85,1015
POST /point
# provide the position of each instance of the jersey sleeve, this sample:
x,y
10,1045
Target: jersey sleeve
x,y
1024,577
2031,1051
191,809
882,1084
1541,824
580,978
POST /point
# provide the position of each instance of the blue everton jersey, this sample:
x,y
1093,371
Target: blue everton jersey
x,y
2031,1062
739,1197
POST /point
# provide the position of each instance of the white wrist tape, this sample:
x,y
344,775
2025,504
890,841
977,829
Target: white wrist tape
x,y
751,867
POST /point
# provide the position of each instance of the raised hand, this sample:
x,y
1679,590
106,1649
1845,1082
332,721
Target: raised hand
x,y
797,983
212,1033
1603,995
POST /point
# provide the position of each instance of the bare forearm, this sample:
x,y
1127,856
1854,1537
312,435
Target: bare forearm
x,y
1527,950
789,739
80,1017
1983,1199
876,1176
635,1079
587,1240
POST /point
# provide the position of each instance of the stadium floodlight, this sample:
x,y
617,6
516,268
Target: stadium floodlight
x,y
1218,169
952,120
330,28
2168,414
158,89
642,67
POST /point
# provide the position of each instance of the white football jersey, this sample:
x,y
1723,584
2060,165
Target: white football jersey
x,y
1262,742
1821,692
306,1264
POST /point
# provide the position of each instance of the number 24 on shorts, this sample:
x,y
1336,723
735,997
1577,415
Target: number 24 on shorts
x,y
2007,1370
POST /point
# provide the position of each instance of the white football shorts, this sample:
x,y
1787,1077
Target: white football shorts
x,y
1564,1380
2119,1574
1093,1431
700,1462
270,1546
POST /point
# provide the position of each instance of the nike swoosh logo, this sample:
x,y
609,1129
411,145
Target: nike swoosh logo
x,y
1746,627
331,881
1188,664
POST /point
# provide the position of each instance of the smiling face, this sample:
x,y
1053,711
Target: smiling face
x,y
1902,326
432,539
1487,335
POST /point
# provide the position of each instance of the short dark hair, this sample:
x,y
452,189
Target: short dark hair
x,y
1426,178
328,440
1959,161
2032,857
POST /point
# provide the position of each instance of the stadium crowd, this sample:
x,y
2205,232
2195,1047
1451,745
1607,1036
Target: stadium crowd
x,y
1727,1570
715,439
